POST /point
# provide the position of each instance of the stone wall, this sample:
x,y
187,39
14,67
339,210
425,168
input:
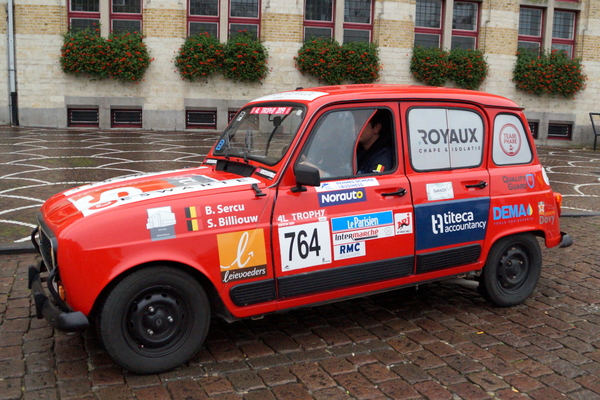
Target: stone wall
x,y
45,92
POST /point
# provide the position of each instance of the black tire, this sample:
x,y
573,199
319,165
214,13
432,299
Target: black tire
x,y
154,320
512,270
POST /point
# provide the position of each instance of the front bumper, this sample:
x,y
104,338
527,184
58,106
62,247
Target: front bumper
x,y
69,321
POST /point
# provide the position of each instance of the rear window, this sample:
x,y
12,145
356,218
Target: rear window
x,y
510,146
444,138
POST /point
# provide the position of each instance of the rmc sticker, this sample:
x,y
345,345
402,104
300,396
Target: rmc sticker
x,y
242,255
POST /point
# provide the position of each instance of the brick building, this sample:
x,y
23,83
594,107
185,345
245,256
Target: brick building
x,y
163,101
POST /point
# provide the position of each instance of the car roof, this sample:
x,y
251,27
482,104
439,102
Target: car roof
x,y
321,95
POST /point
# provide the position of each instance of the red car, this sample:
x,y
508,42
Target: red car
x,y
309,196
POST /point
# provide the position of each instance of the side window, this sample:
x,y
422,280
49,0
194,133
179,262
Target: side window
x,y
351,141
510,145
445,138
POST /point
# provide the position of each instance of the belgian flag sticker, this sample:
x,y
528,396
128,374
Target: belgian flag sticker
x,y
192,219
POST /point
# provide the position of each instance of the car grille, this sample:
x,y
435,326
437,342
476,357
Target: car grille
x,y
46,249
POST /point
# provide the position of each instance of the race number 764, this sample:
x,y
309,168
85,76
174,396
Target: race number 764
x,y
305,245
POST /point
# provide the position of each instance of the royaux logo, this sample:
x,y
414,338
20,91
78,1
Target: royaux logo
x,y
449,136
512,211
342,197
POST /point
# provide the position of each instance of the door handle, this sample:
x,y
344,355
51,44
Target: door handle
x,y
479,185
399,192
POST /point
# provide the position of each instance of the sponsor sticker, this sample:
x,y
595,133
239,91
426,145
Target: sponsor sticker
x,y
546,212
519,182
271,110
403,223
512,213
510,140
349,250
242,255
451,222
347,184
161,223
440,191
362,227
295,95
342,197
266,173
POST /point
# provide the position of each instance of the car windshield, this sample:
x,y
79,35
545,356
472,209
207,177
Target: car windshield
x,y
261,133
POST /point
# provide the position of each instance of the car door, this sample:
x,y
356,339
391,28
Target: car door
x,y
449,180
354,232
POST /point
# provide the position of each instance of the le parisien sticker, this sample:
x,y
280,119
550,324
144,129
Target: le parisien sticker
x,y
242,255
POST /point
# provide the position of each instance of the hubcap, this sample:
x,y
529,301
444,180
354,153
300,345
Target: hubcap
x,y
513,268
155,320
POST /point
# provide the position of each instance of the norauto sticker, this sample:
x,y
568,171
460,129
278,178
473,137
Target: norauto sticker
x,y
242,255
114,197
362,227
342,197
348,184
130,178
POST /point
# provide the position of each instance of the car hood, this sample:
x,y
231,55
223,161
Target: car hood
x,y
102,196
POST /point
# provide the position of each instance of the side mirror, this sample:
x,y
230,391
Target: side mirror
x,y
306,175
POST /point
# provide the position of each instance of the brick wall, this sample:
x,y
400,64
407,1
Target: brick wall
x,y
164,23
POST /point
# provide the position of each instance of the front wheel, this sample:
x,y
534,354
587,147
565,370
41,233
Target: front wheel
x,y
154,320
512,270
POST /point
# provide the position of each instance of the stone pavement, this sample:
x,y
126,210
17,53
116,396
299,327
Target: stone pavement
x,y
36,163
439,342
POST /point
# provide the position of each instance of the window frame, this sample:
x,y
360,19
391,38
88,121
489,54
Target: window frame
x,y
91,15
560,41
121,16
533,39
463,32
307,23
243,20
211,19
358,26
431,31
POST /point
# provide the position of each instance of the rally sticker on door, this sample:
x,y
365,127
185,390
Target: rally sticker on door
x,y
242,255
305,245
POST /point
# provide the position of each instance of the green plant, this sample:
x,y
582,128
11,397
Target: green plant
x,y
361,62
468,68
430,65
553,73
321,58
123,57
199,57
245,59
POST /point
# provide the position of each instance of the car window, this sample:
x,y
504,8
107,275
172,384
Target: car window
x,y
445,138
510,145
335,146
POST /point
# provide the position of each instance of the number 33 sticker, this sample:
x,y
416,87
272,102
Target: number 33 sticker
x,y
303,246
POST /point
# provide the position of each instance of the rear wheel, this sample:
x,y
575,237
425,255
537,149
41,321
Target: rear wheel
x,y
512,270
154,320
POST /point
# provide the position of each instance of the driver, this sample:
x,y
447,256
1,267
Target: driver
x,y
374,151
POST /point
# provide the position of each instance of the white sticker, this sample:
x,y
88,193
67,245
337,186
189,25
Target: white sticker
x,y
403,222
350,250
348,184
306,245
161,223
440,191
295,95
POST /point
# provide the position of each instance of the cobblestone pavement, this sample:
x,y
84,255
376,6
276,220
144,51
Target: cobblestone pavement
x,y
439,342
36,163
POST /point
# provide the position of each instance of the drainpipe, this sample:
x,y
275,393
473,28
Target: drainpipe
x,y
12,78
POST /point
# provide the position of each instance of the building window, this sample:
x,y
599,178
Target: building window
x,y
534,127
428,23
231,115
560,131
84,14
318,19
125,118
196,119
465,25
244,16
83,117
530,28
563,31
358,20
126,16
203,16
